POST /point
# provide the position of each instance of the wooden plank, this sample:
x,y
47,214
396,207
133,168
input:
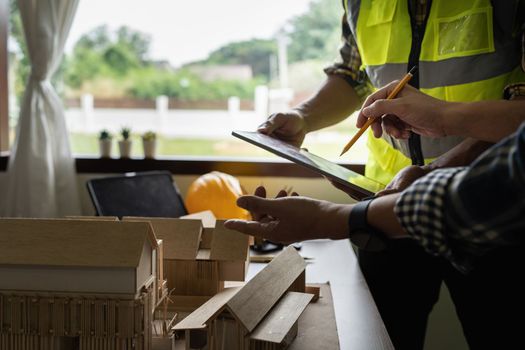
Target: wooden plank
x,y
251,304
180,237
4,76
67,242
279,321
199,318
93,218
228,245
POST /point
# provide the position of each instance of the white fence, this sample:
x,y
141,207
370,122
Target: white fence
x,y
178,123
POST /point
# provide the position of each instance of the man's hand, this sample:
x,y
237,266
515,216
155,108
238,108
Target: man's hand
x,y
289,127
411,110
292,219
403,179
260,191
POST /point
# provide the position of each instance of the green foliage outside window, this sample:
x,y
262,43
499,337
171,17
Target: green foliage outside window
x,y
119,60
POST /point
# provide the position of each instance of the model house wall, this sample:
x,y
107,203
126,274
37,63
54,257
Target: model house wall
x,y
199,255
76,284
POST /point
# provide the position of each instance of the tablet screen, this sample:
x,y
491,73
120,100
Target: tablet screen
x,y
359,185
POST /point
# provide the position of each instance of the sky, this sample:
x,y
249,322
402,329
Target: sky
x,y
186,30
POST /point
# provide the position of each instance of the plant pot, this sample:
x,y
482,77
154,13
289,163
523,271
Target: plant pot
x,y
105,148
150,148
124,147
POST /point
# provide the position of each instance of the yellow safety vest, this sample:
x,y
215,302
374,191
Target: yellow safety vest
x,y
468,53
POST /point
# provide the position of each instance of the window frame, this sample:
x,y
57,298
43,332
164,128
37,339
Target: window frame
x,y
195,166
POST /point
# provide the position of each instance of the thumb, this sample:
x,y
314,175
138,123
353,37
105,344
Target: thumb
x,y
274,122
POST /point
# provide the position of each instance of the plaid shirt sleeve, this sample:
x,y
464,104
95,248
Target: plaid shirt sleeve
x,y
463,213
348,66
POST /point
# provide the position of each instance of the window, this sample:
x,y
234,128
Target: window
x,y
190,71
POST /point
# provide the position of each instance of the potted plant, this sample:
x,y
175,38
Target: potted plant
x,y
124,144
149,143
104,141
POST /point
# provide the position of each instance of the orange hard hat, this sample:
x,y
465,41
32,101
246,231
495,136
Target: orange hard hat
x,y
217,192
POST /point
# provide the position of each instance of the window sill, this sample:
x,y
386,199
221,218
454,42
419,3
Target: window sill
x,y
194,166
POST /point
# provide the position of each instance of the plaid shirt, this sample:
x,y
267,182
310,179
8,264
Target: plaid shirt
x,y
463,213
349,64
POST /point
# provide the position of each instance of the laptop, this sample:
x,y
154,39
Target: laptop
x,y
151,193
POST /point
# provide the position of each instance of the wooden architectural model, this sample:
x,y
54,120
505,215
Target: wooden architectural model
x,y
261,315
199,255
78,284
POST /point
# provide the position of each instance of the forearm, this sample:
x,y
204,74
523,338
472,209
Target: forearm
x,y
381,216
332,103
484,120
462,154
484,123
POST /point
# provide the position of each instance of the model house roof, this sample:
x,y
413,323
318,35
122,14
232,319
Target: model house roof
x,y
198,318
206,216
251,304
68,242
228,245
275,326
182,238
265,295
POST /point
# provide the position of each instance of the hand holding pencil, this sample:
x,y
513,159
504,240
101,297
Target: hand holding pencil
x,y
410,111
398,87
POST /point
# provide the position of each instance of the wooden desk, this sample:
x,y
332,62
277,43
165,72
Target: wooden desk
x,y
358,322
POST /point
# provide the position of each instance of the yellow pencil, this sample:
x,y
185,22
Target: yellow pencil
x,y
369,122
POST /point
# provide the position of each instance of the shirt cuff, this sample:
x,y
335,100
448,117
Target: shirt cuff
x,y
420,210
357,81
514,90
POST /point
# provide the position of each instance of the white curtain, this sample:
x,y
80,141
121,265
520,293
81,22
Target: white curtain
x,y
41,173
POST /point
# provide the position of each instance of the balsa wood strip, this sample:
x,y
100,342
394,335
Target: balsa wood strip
x,y
198,318
228,245
181,238
279,321
68,242
251,304
206,216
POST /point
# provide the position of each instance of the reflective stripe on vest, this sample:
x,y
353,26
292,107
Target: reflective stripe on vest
x,y
464,57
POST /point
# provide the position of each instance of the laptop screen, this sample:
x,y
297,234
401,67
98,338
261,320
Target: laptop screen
x,y
137,194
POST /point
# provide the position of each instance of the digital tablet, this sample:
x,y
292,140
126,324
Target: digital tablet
x,y
359,185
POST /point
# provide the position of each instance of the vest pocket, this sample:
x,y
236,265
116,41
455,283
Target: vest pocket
x,y
465,34
381,11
